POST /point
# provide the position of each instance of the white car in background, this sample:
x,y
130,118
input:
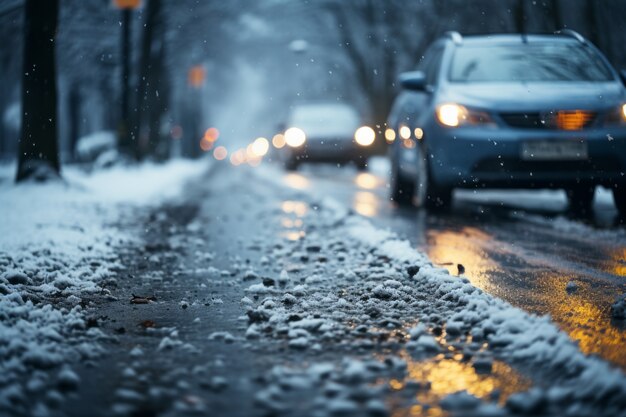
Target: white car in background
x,y
326,132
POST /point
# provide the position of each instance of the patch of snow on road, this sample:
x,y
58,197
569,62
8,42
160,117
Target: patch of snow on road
x,y
372,290
58,253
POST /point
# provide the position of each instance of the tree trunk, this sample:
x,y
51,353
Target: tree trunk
x,y
520,16
38,155
73,107
146,61
591,13
557,19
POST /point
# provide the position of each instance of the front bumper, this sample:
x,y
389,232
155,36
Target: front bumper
x,y
481,157
330,151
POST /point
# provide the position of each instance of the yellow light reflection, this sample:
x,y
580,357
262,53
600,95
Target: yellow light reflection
x,y
299,208
617,262
293,236
297,181
582,314
367,181
447,248
448,376
366,203
288,223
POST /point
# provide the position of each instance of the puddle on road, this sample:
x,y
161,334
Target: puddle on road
x,y
297,181
448,376
616,265
291,221
368,181
584,314
366,203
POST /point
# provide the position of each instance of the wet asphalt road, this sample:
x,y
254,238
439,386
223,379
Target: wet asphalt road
x,y
521,246
195,250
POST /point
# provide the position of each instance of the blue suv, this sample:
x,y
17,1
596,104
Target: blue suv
x,y
509,111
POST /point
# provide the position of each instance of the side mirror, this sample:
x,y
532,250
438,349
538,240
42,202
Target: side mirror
x,y
414,80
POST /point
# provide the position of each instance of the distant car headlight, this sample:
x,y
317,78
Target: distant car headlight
x,y
365,136
295,137
455,115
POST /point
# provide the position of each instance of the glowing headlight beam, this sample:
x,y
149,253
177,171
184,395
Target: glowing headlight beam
x,y
295,137
365,136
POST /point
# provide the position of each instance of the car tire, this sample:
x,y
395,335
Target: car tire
x,y
580,198
291,164
429,194
402,189
619,197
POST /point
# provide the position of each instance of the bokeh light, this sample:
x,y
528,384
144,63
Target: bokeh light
x,y
260,146
220,153
278,141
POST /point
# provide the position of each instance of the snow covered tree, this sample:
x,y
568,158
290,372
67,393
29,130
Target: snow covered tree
x,y
38,147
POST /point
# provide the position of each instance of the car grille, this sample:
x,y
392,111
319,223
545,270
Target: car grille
x,y
556,120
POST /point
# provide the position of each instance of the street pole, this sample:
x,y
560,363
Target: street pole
x,y
125,140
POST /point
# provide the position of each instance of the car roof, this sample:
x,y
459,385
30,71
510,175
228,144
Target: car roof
x,y
513,39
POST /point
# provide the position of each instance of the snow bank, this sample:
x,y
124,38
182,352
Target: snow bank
x,y
59,250
372,290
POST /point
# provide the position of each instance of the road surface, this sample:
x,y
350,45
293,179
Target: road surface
x,y
521,246
255,295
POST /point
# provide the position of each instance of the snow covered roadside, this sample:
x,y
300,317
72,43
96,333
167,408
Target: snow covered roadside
x,y
58,253
344,284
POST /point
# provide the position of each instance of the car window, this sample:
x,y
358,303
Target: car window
x,y
528,62
433,68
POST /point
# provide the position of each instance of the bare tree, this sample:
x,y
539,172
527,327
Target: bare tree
x,y
38,156
152,50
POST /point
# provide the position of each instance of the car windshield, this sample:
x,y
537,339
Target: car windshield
x,y
331,116
537,62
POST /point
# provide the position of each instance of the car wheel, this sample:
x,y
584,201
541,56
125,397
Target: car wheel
x,y
291,164
430,195
619,196
402,189
580,198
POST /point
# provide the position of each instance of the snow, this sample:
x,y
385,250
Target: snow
x,y
385,286
89,147
59,250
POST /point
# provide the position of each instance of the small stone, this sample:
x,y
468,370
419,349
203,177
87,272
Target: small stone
x,y
618,308
412,270
16,277
571,287
68,380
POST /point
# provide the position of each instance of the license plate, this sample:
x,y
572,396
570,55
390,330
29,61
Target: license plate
x,y
554,150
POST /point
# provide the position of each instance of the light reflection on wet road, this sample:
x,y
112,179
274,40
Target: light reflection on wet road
x,y
523,249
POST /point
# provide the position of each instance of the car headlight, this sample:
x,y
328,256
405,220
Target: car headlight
x,y
624,112
455,115
295,137
365,136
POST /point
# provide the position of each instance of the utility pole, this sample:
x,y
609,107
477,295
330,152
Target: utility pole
x,y
126,141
